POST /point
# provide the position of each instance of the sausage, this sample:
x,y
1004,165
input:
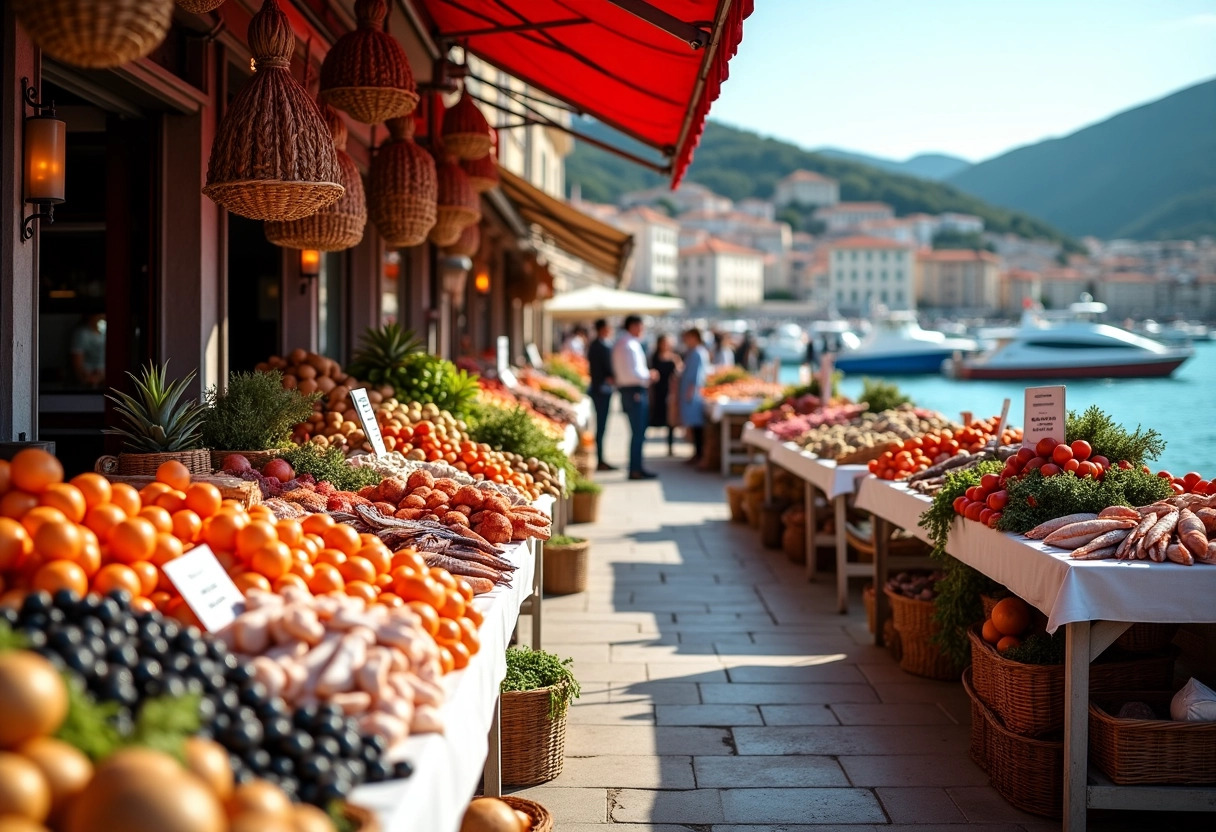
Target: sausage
x,y
301,622
1179,554
1127,549
317,658
1208,517
372,677
1118,511
427,720
1210,555
297,677
252,631
353,702
1095,554
267,671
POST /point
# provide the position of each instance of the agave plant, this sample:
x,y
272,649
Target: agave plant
x,y
382,351
157,418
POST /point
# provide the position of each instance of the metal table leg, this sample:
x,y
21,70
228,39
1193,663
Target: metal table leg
x,y
1076,724
491,784
882,548
538,594
839,504
812,523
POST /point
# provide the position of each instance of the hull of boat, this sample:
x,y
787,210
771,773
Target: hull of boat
x,y
919,363
1140,369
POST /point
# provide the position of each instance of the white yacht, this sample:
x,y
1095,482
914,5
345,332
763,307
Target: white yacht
x,y
896,345
787,344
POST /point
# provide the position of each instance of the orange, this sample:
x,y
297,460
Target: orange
x,y
465,589
55,575
460,654
179,609
290,579
990,633
362,589
117,576
254,536
261,512
449,632
330,556
369,539
418,588
35,517
442,577
317,523
232,505
158,517
446,662
17,504
141,604
151,491
475,615
453,604
58,541
203,499
219,532
172,501
15,544
342,537
407,557
67,498
384,580
160,599
273,560
358,569
469,635
167,548
89,557
310,546
390,600
126,497
1008,642
103,518
149,576
326,578
174,474
95,488
6,479
290,532
304,569
186,525
251,580
133,539
378,555
1011,616
34,469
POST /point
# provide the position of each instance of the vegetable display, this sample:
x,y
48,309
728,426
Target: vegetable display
x,y
255,412
937,446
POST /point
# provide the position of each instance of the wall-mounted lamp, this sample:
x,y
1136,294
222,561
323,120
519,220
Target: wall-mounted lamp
x,y
45,158
481,281
310,267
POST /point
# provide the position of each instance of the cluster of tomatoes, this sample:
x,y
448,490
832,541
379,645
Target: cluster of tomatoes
x,y
1190,483
984,502
936,446
1051,458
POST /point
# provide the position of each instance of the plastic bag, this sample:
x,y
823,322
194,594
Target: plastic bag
x,y
1196,702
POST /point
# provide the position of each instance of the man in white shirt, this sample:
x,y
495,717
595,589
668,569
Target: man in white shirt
x,y
633,376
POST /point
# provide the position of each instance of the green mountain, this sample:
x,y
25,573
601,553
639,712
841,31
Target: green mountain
x,y
934,166
739,164
1147,173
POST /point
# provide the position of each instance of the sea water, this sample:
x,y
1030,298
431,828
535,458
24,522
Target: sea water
x,y
1182,408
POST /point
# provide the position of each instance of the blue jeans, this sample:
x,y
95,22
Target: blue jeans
x,y
636,404
602,399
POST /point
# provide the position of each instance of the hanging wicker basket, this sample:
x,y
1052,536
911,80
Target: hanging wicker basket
x,y
483,172
468,244
273,156
458,207
402,188
466,133
200,6
97,34
366,72
338,226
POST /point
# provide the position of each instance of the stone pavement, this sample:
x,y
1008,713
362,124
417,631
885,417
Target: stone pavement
x,y
723,692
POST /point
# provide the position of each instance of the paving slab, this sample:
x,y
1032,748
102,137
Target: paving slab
x,y
909,713
659,692
919,804
593,740
798,715
851,739
882,769
701,806
823,806
568,805
778,694
620,713
723,715
634,771
770,772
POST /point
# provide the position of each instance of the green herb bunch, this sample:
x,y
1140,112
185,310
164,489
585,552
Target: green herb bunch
x,y
582,485
255,413
330,465
1035,499
881,395
513,430
1111,439
564,540
535,669
563,369
1039,648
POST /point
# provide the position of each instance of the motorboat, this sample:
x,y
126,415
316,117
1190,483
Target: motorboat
x,y
786,343
1070,344
896,345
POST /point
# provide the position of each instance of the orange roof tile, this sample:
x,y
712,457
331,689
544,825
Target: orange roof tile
x,y
863,241
714,245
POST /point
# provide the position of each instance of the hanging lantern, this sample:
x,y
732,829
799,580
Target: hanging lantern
x,y
95,33
366,72
466,133
459,205
467,244
273,156
335,227
402,188
200,6
482,173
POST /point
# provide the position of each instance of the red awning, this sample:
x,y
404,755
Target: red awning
x,y
605,61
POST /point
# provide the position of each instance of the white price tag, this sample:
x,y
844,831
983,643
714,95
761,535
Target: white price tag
x,y
1044,416
503,354
206,587
367,418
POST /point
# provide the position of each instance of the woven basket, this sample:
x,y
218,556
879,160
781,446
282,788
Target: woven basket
x,y
466,133
256,458
735,496
1029,698
533,746
900,546
793,543
200,6
468,244
1133,751
458,205
336,227
584,507
914,622
273,157
542,821
566,568
1147,637
145,465
989,603
98,34
1027,772
483,172
402,189
363,820
366,72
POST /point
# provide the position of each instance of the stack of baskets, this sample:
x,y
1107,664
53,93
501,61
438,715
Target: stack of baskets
x,y
913,620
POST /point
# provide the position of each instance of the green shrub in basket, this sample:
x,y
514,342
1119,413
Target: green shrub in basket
x,y
535,669
564,540
586,486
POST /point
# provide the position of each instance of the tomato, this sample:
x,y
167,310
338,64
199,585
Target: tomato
x,y
960,503
1081,450
1034,464
1012,465
1100,460
1087,469
985,514
973,511
989,483
992,521
1191,477
1072,465
1024,455
1061,454
1050,469
1046,446
1178,489
1165,475
1201,487
997,500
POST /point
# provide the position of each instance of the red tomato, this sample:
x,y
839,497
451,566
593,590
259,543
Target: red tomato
x,y
1071,465
1061,454
973,511
1050,469
1165,475
1024,455
972,493
997,500
1087,469
1037,462
1178,489
1081,450
992,521
1201,487
989,483
1046,446
1190,478
1100,460
985,515
960,503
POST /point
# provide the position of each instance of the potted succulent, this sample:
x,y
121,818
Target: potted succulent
x,y
565,570
253,417
585,506
158,424
536,696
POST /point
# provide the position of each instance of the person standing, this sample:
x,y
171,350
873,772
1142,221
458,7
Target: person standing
x,y
692,380
599,360
666,362
633,377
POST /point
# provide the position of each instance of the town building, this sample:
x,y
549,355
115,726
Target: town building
x,y
687,198
656,250
1062,287
716,274
958,280
1130,295
848,217
1020,289
805,188
865,272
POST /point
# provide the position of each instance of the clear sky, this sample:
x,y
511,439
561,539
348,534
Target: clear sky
x,y
972,78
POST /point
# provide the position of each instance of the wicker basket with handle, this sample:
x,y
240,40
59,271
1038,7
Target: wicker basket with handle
x,y
566,567
145,465
366,72
466,133
402,190
483,172
457,205
533,745
1133,751
200,6
914,622
542,821
97,34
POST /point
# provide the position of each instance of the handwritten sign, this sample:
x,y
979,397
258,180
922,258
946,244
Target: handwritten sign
x,y
367,418
1044,415
206,587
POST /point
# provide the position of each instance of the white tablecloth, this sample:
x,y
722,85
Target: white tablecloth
x,y
1067,590
569,442
720,407
448,767
582,410
830,478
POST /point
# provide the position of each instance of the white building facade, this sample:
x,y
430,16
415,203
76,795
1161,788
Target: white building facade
x,y
716,274
656,247
865,272
851,216
805,187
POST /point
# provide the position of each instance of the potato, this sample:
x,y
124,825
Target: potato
x,y
325,384
289,381
308,386
306,371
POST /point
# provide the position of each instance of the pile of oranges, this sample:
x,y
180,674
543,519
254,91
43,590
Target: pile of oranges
x,y
936,446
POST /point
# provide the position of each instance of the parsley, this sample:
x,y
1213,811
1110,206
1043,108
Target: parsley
x,y
536,669
330,465
1112,440
1036,499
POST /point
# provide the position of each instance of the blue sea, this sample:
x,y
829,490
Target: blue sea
x,y
1181,408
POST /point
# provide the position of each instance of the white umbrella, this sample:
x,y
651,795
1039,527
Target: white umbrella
x,y
600,301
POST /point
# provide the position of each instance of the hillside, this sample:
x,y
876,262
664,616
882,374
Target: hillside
x,y
1149,172
739,164
933,166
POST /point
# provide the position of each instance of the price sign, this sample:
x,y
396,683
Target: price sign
x,y
1044,415
533,355
206,587
367,418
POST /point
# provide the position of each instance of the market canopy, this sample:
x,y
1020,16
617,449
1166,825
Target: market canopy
x,y
628,63
600,301
594,242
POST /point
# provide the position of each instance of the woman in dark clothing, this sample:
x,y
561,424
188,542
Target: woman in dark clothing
x,y
667,362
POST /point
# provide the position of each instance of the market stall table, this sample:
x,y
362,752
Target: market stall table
x,y
726,413
1095,601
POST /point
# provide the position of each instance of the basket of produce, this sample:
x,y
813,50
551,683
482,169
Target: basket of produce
x,y
1027,772
536,696
1147,637
566,560
989,602
585,501
1133,739
253,417
158,425
911,596
532,816
145,465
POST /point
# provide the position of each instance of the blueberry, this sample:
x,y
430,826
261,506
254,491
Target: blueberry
x,y
206,709
229,700
56,616
9,616
148,670
356,769
273,707
258,759
109,611
290,785
350,744
283,766
329,724
305,716
193,686
66,599
52,656
376,743
242,775
314,766
170,629
327,710
334,790
378,771
240,674
157,646
218,650
129,626
95,644
299,744
66,638
91,626
121,598
177,663
221,722
149,630
277,729
173,685
35,602
254,693
328,746
402,770
35,638
125,655
81,660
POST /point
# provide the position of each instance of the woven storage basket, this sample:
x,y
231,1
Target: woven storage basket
x,y
402,189
466,133
97,34
483,172
468,244
363,820
273,157
1027,772
584,507
145,465
256,458
366,73
336,227
1147,637
566,568
200,6
459,206
1029,698
542,821
735,497
246,493
533,746
914,622
1132,751
989,603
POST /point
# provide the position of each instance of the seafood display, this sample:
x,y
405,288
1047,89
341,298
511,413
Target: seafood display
x,y
1180,529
